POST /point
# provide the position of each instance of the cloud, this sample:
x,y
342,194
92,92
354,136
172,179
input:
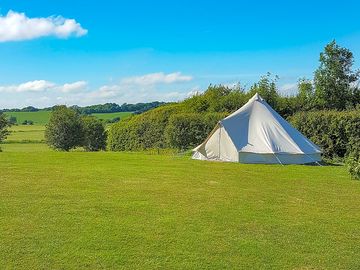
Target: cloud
x,y
289,88
42,85
73,87
32,86
146,88
157,78
17,26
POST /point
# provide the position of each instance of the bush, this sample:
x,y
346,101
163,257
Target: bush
x,y
337,133
4,124
188,130
12,120
353,164
140,132
27,122
94,134
65,129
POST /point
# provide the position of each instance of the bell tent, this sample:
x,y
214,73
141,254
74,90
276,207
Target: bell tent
x,y
256,133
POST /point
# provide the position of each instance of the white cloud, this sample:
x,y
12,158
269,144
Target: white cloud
x,y
157,78
42,85
73,87
32,86
17,26
146,88
289,88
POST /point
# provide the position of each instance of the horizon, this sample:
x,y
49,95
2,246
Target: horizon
x,y
143,52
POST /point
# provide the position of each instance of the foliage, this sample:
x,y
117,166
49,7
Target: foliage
x,y
94,134
27,122
12,120
113,107
353,164
65,129
4,124
267,89
337,133
190,129
334,78
142,131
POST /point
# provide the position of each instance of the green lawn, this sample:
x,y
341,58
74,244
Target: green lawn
x,y
42,117
108,210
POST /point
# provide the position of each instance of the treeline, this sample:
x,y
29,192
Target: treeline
x,y
100,108
113,107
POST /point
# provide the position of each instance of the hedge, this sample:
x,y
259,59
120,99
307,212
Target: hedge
x,y
164,127
140,132
336,132
188,130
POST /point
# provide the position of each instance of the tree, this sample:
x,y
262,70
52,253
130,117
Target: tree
x,y
4,124
65,129
266,88
334,78
94,134
306,94
12,120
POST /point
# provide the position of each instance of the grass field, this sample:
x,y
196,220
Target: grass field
x,y
107,210
26,134
108,116
42,117
39,118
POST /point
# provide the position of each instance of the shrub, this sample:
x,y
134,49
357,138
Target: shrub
x,y
94,134
65,129
337,133
4,124
27,122
353,164
142,131
12,120
190,129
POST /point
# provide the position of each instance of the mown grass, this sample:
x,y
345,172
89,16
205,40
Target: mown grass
x,y
42,117
107,210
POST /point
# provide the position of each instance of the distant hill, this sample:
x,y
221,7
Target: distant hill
x,y
100,108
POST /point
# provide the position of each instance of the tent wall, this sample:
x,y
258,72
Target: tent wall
x,y
218,147
278,158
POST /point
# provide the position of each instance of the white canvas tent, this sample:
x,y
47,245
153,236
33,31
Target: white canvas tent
x,y
257,134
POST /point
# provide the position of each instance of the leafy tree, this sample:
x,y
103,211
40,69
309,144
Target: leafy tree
x,y
334,78
306,94
12,120
65,129
267,89
4,124
94,134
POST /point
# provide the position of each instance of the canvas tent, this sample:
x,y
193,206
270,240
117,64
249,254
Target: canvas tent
x,y
257,134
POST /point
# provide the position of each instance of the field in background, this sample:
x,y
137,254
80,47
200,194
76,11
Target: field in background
x,y
26,134
42,117
39,118
109,116
83,210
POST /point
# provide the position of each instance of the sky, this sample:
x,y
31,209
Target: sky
x,y
91,52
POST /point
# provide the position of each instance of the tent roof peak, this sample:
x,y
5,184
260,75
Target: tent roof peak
x,y
257,97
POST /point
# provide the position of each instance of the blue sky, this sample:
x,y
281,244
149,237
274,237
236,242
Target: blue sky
x,y
134,51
